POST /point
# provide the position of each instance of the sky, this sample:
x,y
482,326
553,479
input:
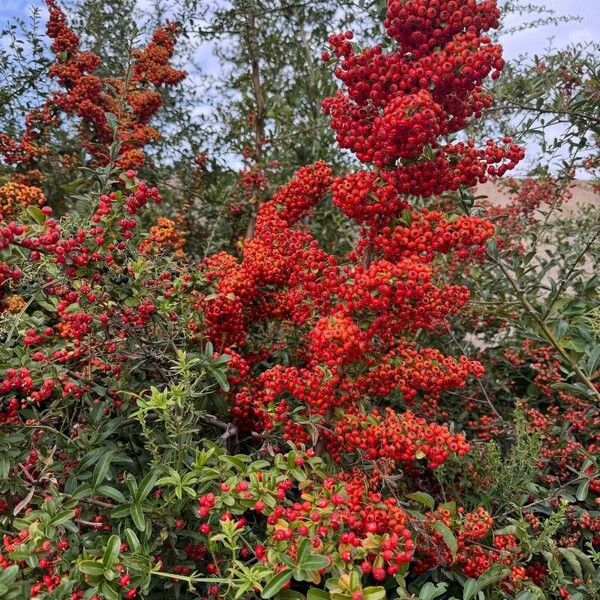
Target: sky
x,y
586,29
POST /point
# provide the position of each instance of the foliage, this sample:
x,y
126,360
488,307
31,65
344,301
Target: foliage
x,y
388,389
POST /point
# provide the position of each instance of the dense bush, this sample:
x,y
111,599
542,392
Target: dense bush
x,y
389,388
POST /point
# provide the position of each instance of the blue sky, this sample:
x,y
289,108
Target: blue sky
x,y
587,29
11,8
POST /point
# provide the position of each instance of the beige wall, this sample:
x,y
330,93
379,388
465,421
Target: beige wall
x,y
582,194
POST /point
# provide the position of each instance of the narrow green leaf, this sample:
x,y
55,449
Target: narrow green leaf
x,y
469,589
447,536
423,498
111,553
221,379
37,214
121,511
111,120
109,591
374,593
290,595
146,485
101,469
493,575
582,490
242,590
83,491
91,567
314,563
304,551
132,540
276,583
4,467
138,517
61,517
110,492
234,461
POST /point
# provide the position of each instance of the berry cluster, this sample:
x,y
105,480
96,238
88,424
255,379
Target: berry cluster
x,y
398,103
15,196
132,101
165,234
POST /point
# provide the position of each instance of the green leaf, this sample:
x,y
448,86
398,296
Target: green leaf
x,y
314,563
61,517
298,474
167,481
585,561
593,361
577,389
91,567
9,574
49,307
430,591
83,491
317,594
493,575
423,498
4,467
221,379
146,485
287,561
32,561
304,551
276,583
469,589
374,593
111,120
132,540
101,469
234,461
109,591
290,595
406,218
527,595
138,517
447,536
111,553
37,214
121,511
572,560
242,590
582,490
110,492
